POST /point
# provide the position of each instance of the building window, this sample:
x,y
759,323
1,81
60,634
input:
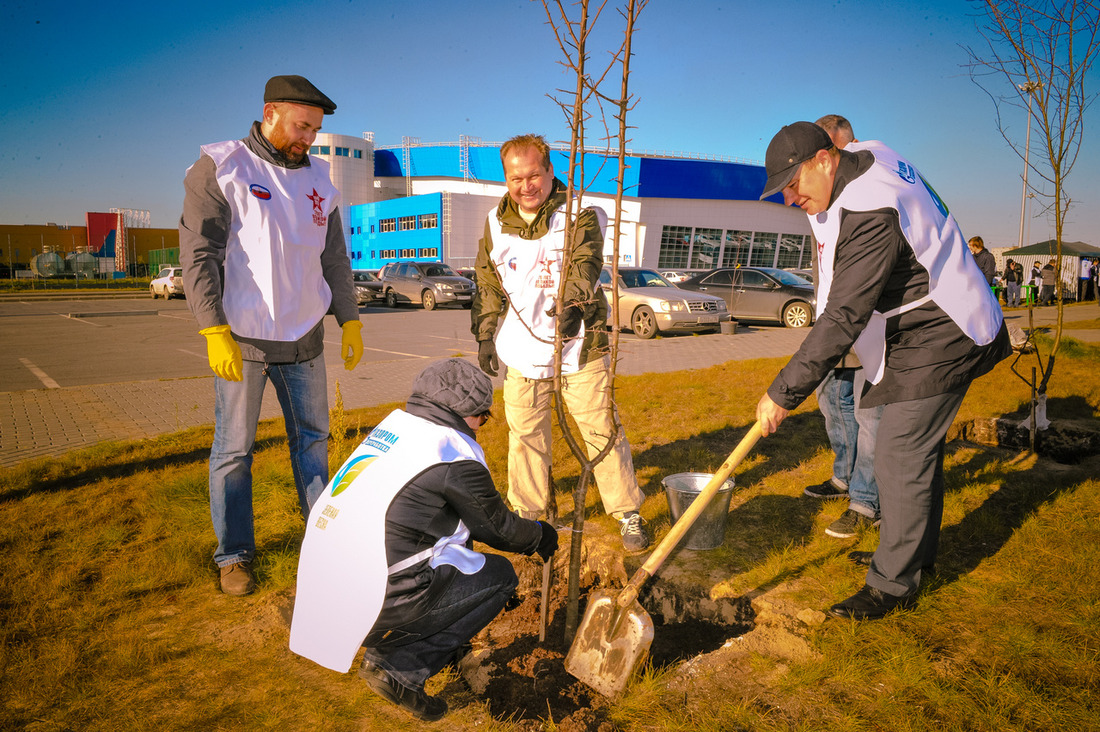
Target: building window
x,y
357,154
705,246
738,244
429,252
408,253
343,152
764,245
319,150
389,254
358,229
427,221
675,243
406,223
790,251
385,225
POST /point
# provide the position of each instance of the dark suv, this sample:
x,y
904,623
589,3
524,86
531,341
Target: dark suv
x,y
759,293
427,283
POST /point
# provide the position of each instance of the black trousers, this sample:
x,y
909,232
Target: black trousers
x,y
909,473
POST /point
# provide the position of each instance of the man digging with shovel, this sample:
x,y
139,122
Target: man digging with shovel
x,y
387,561
901,290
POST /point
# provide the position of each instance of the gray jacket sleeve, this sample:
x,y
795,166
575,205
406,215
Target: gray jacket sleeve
x,y
204,231
336,269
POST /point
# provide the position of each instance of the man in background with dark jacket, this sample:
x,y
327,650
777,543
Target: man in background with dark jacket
x,y
900,287
984,258
387,561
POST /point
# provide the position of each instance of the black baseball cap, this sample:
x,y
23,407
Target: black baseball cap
x,y
299,90
793,145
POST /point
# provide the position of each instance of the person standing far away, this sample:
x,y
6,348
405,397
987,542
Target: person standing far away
x,y
851,430
1049,279
264,259
984,258
1013,274
900,287
518,269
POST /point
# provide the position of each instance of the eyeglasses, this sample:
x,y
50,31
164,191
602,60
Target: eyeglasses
x,y
484,417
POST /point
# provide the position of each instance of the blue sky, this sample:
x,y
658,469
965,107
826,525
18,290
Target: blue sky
x,y
106,106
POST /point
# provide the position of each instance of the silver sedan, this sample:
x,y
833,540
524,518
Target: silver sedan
x,y
649,304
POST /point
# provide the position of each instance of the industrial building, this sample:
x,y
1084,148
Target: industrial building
x,y
428,201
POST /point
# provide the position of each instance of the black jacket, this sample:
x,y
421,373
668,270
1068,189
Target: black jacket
x,y
876,269
428,508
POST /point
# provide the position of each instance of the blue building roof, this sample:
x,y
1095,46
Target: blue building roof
x,y
646,177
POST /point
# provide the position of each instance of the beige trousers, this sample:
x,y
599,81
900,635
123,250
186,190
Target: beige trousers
x,y
528,410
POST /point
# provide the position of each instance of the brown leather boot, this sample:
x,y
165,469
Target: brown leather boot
x,y
237,579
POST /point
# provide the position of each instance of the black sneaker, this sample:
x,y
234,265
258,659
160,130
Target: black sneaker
x,y
635,537
863,559
871,604
414,701
849,524
827,489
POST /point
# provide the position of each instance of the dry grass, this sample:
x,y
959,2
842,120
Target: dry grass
x,y
110,618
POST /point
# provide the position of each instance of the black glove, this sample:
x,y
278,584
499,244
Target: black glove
x,y
572,315
487,357
549,543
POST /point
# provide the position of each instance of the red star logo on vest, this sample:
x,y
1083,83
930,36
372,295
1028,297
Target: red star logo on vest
x,y
319,217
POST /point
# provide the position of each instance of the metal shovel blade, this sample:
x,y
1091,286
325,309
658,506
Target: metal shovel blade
x,y
610,643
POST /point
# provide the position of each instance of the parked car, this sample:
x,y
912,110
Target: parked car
x,y
427,283
368,287
678,275
649,304
806,274
168,283
759,293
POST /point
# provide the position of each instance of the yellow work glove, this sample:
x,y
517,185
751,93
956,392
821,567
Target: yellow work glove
x,y
351,344
223,352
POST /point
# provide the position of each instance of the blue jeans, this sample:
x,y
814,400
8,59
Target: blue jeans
x,y
836,399
1012,294
417,651
303,395
862,488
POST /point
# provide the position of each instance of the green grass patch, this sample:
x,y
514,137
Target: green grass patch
x,y
110,618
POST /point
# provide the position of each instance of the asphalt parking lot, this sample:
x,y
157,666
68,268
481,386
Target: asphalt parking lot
x,y
77,372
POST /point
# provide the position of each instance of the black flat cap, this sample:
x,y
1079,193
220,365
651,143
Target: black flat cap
x,y
298,90
793,145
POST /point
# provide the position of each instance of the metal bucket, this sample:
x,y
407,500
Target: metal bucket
x,y
709,530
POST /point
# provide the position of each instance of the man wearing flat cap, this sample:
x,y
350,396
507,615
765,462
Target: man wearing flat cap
x,y
387,562
264,259
900,287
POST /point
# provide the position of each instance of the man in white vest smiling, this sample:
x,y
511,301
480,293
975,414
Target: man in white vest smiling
x,y
518,268
388,562
900,287
264,260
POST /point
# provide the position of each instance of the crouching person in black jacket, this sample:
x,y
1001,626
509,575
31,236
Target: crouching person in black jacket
x,y
387,562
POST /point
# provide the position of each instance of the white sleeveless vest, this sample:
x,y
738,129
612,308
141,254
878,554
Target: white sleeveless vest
x,y
274,286
530,270
955,283
342,569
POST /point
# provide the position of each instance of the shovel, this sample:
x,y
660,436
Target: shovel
x,y
616,632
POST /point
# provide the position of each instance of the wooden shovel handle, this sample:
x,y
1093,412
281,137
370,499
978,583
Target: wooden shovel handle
x,y
681,527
